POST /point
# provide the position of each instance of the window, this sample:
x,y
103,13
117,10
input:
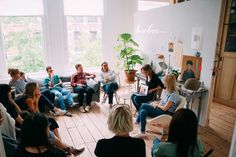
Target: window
x,y
22,34
93,35
84,45
92,19
150,4
23,42
84,31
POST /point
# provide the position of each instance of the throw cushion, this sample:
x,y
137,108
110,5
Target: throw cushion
x,y
39,81
92,83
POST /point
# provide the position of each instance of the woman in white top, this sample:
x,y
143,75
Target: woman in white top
x,y
108,80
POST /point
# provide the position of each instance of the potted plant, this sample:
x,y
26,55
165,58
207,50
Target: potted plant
x,y
127,51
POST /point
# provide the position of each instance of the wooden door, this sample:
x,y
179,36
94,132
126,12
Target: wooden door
x,y
225,91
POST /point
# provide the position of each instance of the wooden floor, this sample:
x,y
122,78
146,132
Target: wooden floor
x,y
85,129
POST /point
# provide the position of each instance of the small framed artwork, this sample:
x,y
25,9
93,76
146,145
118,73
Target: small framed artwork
x,y
171,47
191,67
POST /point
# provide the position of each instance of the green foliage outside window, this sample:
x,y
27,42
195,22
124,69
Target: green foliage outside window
x,y
23,43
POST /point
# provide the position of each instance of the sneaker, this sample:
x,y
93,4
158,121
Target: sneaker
x,y
73,104
81,109
52,113
74,151
140,135
68,114
110,105
103,100
87,108
60,112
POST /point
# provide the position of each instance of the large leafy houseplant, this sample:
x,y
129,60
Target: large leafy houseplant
x,y
127,50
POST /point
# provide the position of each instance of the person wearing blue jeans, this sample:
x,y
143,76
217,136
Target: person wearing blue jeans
x,y
109,89
166,106
108,80
154,84
59,93
53,83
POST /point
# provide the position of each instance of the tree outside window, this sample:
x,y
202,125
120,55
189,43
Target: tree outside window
x,y
23,43
84,41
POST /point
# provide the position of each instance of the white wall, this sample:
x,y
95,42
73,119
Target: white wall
x,y
118,18
154,28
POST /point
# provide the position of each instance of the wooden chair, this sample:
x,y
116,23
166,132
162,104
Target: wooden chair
x,y
160,124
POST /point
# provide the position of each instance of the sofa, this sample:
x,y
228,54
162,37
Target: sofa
x,y
93,83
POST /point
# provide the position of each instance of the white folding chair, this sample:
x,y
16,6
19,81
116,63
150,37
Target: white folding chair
x,y
160,124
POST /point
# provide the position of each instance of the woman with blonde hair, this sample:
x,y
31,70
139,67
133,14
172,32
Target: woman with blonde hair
x,y
120,122
166,106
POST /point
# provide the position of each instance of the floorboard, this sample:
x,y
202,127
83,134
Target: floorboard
x,y
85,129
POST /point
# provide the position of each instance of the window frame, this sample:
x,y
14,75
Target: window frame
x,y
3,51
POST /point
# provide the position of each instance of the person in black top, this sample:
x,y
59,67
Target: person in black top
x,y
120,122
30,103
34,138
154,84
6,99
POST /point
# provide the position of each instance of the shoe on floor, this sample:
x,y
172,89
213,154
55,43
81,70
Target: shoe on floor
x,y
140,135
60,112
68,114
74,151
73,104
87,108
81,109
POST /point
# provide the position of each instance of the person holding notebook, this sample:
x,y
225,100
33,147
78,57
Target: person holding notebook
x,y
154,84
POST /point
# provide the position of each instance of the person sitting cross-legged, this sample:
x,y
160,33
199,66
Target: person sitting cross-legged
x,y
166,106
78,82
54,83
109,84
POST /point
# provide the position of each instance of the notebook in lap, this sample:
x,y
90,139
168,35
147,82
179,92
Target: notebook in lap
x,y
143,91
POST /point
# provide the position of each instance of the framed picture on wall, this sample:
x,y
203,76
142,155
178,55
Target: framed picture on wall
x,y
191,67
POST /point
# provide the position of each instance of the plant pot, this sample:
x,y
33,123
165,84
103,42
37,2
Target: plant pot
x,y
130,75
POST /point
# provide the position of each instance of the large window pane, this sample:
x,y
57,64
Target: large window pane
x,y
84,40
23,43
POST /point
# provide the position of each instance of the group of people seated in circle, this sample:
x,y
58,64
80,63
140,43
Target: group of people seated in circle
x,y
39,136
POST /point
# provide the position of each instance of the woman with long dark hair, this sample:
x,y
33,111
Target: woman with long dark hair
x,y
34,138
182,137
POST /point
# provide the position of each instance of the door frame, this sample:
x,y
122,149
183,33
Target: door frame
x,y
217,57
